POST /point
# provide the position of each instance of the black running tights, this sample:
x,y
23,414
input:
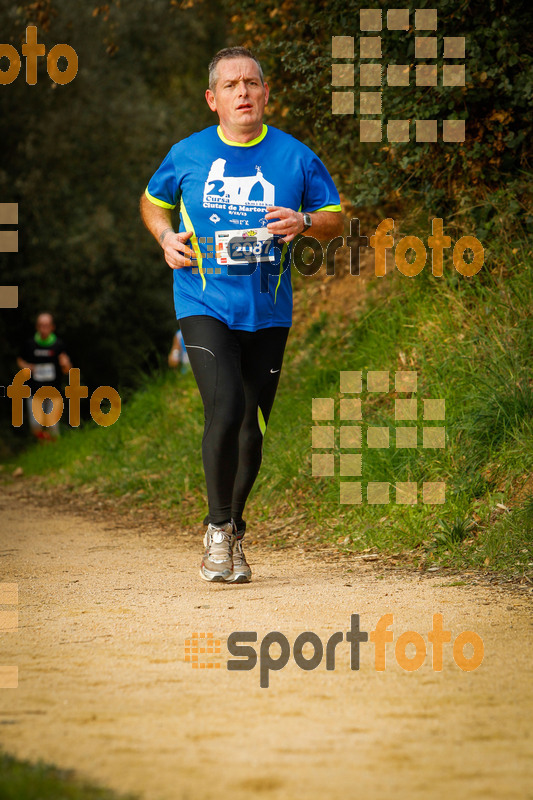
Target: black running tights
x,y
237,373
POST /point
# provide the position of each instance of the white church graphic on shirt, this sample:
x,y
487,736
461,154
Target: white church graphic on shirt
x,y
249,190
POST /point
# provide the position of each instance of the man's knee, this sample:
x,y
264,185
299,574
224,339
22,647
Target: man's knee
x,y
227,414
251,436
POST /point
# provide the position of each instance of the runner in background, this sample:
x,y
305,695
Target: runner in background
x,y
178,353
44,354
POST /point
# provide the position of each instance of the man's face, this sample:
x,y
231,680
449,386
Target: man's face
x,y
45,325
239,97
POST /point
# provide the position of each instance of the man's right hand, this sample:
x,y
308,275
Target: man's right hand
x,y
177,253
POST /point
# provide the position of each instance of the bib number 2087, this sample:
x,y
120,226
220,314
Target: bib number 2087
x,y
242,251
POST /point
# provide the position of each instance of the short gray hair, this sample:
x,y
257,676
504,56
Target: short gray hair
x,y
230,52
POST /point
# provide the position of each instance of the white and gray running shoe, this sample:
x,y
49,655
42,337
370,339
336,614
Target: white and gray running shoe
x,y
217,563
241,569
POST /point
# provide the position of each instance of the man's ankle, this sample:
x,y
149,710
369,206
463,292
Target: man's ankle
x,y
240,525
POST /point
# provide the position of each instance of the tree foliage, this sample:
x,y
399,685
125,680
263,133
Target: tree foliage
x,y
76,159
293,39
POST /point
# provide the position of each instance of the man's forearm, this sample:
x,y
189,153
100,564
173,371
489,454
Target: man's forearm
x,y
326,225
23,364
158,220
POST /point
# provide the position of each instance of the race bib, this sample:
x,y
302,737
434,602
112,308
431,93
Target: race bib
x,y
44,372
242,246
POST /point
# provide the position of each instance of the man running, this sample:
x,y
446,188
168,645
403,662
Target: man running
x,y
244,191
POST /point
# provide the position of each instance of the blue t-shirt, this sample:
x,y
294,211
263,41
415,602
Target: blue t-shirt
x,y
223,188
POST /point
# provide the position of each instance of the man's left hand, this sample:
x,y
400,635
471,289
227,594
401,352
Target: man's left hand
x,y
290,223
64,362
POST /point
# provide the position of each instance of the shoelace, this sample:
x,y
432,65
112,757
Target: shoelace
x,y
238,551
219,549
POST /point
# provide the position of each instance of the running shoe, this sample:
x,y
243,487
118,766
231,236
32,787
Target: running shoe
x,y
241,569
217,563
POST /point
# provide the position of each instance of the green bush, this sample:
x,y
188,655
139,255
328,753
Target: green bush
x,y
293,40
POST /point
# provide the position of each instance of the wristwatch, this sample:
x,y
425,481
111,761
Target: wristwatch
x,y
307,222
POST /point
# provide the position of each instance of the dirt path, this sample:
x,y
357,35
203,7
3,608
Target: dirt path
x,y
104,686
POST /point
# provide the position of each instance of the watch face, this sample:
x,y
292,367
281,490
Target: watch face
x,y
307,221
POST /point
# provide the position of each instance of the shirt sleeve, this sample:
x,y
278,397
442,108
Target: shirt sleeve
x,y
60,347
320,193
163,189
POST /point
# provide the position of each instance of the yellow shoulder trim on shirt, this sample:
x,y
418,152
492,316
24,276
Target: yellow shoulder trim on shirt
x,y
243,144
326,208
156,201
